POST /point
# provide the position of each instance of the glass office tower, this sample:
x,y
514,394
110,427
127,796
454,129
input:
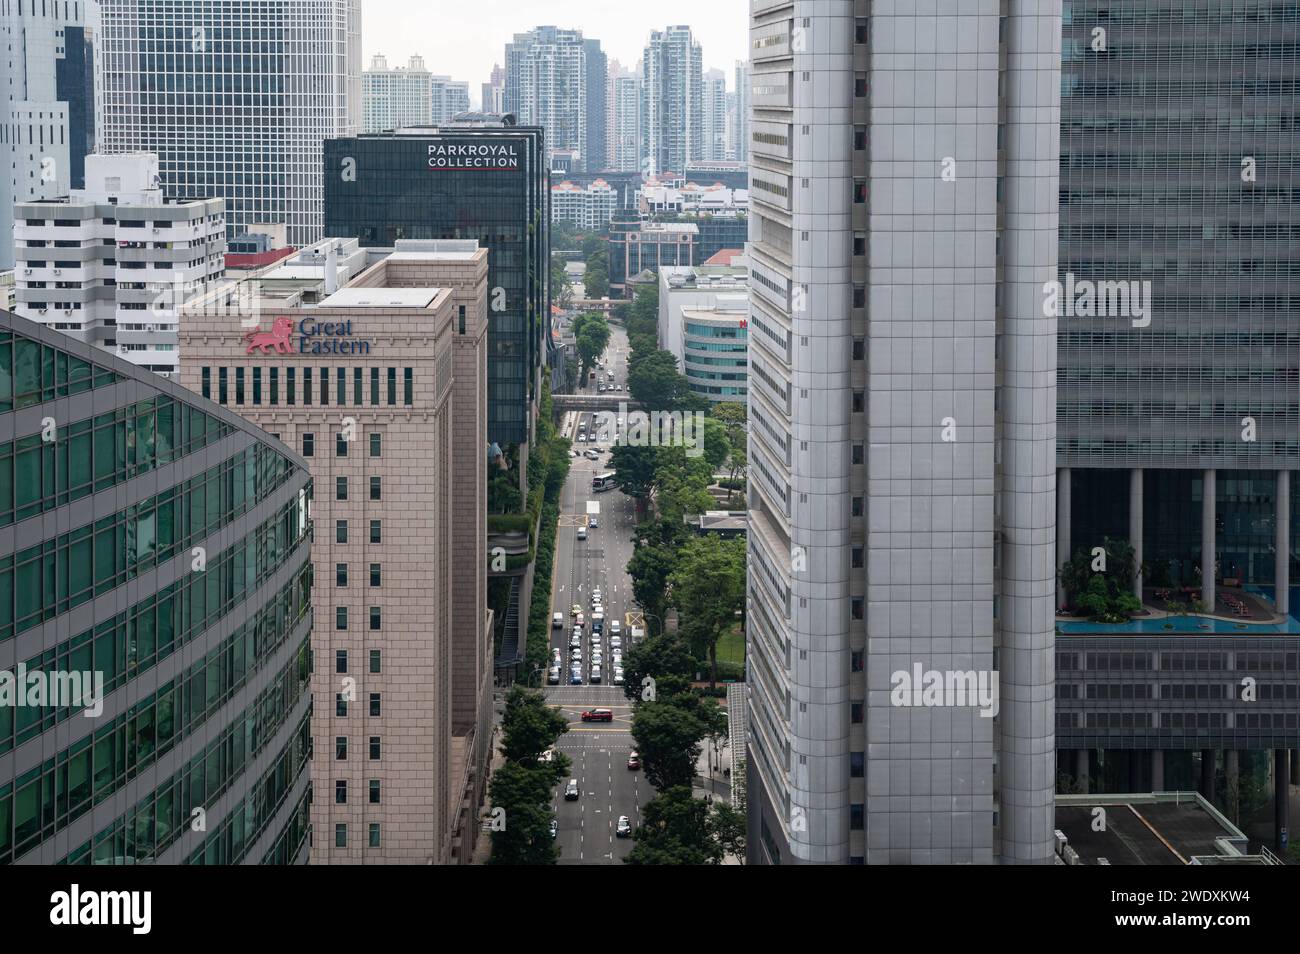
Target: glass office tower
x,y
1180,167
159,543
485,181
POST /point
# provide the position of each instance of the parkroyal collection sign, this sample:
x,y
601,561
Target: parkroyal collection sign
x,y
473,155
313,337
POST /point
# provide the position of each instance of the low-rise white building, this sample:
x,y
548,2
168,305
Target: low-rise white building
x,y
704,323
112,263
679,197
589,208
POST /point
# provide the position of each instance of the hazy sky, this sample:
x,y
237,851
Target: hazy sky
x,y
463,38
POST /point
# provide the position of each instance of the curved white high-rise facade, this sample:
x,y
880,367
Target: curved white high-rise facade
x,y
903,189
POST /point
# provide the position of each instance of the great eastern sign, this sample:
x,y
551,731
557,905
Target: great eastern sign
x,y
473,155
314,337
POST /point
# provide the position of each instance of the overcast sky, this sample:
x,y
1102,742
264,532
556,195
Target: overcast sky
x,y
463,38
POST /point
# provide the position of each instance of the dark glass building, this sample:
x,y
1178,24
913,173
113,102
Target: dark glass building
x,y
157,546
1180,179
480,180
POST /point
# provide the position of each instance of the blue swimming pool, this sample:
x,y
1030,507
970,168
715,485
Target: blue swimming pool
x,y
1191,625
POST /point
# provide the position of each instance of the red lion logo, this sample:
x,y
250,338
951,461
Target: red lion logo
x,y
277,337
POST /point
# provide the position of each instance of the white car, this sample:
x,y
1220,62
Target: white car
x,y
591,455
618,677
615,642
557,621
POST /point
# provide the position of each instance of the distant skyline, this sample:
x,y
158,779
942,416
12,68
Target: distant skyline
x,y
463,42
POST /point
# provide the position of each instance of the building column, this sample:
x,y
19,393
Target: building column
x,y
1207,774
1062,529
1231,778
1208,543
1135,526
1157,770
1282,571
1081,770
1281,795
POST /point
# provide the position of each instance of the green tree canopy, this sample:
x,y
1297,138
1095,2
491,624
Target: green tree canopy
x,y
668,738
708,587
675,830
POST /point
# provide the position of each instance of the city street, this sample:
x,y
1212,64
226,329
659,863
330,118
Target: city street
x,y
598,751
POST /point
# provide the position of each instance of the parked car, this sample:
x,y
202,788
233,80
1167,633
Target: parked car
x,y
615,641
553,676
575,677
575,641
633,761
595,674
615,627
598,715
618,677
593,522
557,621
576,656
571,791
575,611
624,827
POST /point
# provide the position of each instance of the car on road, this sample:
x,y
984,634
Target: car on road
x,y
553,676
576,610
593,522
571,791
582,533
616,657
557,621
576,657
575,677
591,455
595,595
597,661
555,829
615,641
615,627
633,761
575,641
581,620
624,827
618,675
598,715
595,674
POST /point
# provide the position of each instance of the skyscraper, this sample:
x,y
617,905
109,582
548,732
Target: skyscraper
x,y
740,121
713,123
475,179
166,555
130,259
47,126
624,124
901,395
555,78
234,97
494,91
672,100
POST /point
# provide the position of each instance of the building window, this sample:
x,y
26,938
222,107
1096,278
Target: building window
x,y
374,617
855,818
340,748
340,836
857,557
392,386
856,660
374,791
340,531
855,713
308,444
340,660
341,487
207,383
375,534
408,385
289,383
856,506
859,29
858,454
855,607
306,386
375,485
340,617
257,386
340,791
275,386
376,445
859,85
376,660
859,191
859,349
374,704
340,574
374,834
223,385
340,445
859,138
374,748
340,705
324,385
356,387
374,574
855,764
374,386
859,243
859,402
341,386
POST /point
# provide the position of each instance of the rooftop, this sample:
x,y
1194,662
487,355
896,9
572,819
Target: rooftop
x,y
381,298
1157,828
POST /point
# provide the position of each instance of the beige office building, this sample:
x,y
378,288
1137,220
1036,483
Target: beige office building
x,y
381,384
